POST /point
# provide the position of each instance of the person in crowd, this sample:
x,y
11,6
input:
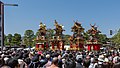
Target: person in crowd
x,y
21,58
79,62
60,63
48,61
86,62
93,63
54,63
106,63
117,63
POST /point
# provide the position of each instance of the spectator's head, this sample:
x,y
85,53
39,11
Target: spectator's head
x,y
106,60
1,62
92,60
20,61
35,58
31,54
13,63
6,59
88,57
79,60
55,61
25,55
119,59
79,56
59,57
56,54
48,57
27,61
70,55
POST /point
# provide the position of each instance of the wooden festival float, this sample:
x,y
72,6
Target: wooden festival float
x,y
92,43
77,40
41,38
57,41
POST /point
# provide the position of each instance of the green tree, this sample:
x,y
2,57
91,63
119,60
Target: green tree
x,y
8,39
16,39
5,40
102,38
116,38
28,37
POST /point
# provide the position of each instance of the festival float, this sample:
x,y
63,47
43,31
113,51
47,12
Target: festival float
x,y
41,38
57,41
92,42
77,39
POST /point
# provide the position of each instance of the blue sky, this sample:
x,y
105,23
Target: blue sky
x,y
29,13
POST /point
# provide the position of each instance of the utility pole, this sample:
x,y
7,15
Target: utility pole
x,y
2,25
2,22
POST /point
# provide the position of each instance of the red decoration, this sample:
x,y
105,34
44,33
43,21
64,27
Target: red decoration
x,y
46,45
52,45
95,47
37,46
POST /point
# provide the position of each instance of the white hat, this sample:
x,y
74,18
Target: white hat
x,y
92,59
99,62
78,56
47,56
106,60
100,59
5,59
105,54
63,60
101,56
2,55
20,61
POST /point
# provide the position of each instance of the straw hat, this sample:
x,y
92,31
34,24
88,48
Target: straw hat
x,y
106,60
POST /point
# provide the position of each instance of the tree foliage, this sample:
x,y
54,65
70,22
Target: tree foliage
x,y
12,40
116,38
9,39
28,37
29,34
102,38
16,39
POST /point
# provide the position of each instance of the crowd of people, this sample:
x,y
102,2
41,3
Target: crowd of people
x,y
14,58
